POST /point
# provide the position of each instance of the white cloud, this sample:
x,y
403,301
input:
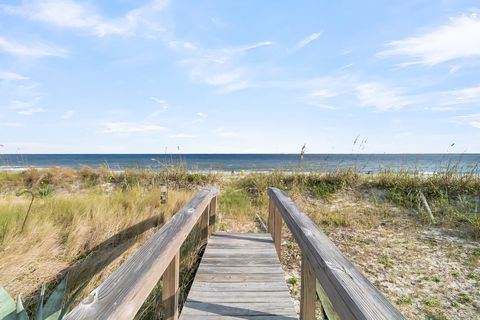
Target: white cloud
x,y
162,104
226,134
218,22
200,117
68,114
249,47
307,40
84,16
347,66
33,50
472,120
450,100
455,68
181,136
219,68
25,103
131,127
321,105
381,96
455,40
324,93
30,111
19,94
344,91
472,93
11,124
11,76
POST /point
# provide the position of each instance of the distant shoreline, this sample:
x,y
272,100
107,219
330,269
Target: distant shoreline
x,y
240,172
228,163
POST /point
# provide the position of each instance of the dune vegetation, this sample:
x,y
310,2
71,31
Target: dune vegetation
x,y
88,221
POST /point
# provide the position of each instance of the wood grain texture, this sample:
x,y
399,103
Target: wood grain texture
x,y
124,291
171,279
307,293
239,277
326,303
277,236
427,207
213,215
271,211
350,292
204,226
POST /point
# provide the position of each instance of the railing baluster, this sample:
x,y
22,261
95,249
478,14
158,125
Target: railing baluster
x,y
308,292
204,227
124,291
271,209
277,237
326,304
213,214
171,278
350,294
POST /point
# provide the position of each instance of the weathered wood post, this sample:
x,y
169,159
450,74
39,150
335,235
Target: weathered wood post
x,y
271,209
426,206
171,278
124,291
204,224
277,236
213,215
308,291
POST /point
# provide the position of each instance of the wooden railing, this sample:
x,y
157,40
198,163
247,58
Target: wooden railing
x,y
122,294
343,291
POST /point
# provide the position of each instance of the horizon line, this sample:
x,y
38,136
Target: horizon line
x,y
253,153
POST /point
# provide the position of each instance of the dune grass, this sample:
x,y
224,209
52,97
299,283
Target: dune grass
x,y
453,197
88,221
81,232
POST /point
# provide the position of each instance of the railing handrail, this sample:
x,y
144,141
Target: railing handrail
x,y
350,292
122,294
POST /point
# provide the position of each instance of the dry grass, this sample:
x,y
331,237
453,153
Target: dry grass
x,y
89,221
65,230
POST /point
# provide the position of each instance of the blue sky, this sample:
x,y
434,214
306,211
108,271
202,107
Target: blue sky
x,y
239,76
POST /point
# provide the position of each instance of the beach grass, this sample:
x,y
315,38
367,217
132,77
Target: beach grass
x,y
80,234
88,221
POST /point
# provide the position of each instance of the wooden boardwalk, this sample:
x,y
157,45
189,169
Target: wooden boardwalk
x,y
239,277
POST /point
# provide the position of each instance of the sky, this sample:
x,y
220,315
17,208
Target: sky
x,y
239,76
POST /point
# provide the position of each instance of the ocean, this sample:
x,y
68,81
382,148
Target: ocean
x,y
250,162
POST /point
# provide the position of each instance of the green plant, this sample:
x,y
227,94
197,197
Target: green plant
x,y
44,190
464,298
404,300
293,280
431,302
53,309
386,261
474,276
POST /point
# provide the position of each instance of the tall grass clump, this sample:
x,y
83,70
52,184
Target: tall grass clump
x,y
236,204
64,230
322,185
175,176
245,196
454,197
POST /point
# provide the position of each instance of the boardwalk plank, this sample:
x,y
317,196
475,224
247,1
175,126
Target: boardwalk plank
x,y
240,277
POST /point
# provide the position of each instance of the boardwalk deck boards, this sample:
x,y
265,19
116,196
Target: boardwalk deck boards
x,y
240,277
